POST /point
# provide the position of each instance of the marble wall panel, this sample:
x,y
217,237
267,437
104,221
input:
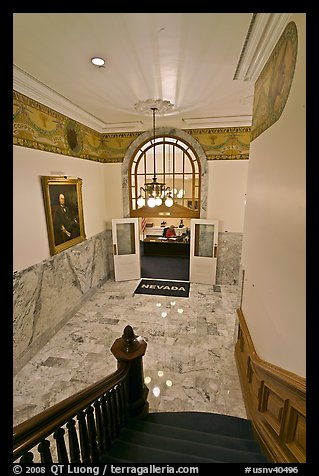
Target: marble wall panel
x,y
47,294
229,257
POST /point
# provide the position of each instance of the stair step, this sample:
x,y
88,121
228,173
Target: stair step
x,y
159,429
188,447
134,453
182,437
205,422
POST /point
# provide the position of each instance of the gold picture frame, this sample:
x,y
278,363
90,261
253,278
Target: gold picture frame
x,y
63,211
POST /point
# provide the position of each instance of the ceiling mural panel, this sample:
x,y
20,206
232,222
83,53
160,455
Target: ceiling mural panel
x,y
274,82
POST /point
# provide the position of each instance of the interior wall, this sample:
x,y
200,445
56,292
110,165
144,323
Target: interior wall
x,y
30,238
102,197
113,193
274,243
227,181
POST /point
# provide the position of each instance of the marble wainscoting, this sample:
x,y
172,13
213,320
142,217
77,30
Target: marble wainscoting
x,y
229,257
189,364
47,294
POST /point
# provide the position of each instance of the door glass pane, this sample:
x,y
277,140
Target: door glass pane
x,y
204,240
125,238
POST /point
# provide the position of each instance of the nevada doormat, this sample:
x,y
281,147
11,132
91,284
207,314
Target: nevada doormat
x,y
163,288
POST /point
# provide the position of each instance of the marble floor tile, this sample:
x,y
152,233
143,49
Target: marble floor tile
x,y
189,363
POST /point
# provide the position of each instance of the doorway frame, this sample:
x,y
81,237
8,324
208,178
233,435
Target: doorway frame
x,y
165,131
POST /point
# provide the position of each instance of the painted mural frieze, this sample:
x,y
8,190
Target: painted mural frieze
x,y
225,143
274,82
39,127
73,137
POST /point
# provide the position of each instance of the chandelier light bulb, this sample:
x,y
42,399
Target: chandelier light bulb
x,y
158,201
169,201
151,202
140,201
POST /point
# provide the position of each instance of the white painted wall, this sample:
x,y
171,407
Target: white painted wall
x,y
227,181
274,242
113,193
30,238
102,197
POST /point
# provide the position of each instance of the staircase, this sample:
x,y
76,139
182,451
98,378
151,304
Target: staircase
x,y
109,421
185,437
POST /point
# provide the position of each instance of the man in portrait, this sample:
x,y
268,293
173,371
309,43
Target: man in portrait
x,y
66,227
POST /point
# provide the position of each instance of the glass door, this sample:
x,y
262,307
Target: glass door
x,y
203,251
126,249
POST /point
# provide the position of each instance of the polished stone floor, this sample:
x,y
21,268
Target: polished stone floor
x,y
189,363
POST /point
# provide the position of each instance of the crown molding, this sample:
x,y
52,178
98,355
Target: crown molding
x,y
26,84
219,121
122,126
263,33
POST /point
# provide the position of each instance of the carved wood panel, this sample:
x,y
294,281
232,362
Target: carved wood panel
x,y
275,401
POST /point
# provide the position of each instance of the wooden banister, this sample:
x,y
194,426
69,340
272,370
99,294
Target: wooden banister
x,y
100,410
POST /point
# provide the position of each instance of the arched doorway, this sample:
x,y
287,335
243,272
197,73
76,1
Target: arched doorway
x,y
168,132
193,204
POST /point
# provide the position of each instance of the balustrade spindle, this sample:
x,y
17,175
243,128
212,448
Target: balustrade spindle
x,y
73,442
92,434
106,423
60,445
27,457
111,406
45,452
84,439
99,426
116,411
122,405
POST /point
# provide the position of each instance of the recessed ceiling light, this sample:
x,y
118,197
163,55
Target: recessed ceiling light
x,y
98,61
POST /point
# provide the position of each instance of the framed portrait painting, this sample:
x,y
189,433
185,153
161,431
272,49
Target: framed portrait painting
x,y
63,211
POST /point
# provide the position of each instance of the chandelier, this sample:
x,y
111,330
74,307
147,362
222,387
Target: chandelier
x,y
153,193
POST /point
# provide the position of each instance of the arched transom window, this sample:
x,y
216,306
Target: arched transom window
x,y
177,166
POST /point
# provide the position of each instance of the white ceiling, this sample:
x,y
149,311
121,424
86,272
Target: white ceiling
x,y
189,59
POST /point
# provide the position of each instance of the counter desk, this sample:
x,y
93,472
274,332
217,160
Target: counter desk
x,y
155,246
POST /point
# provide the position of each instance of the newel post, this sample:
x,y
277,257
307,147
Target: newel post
x,y
130,348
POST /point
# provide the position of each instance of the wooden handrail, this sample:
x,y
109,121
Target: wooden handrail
x,y
128,351
28,433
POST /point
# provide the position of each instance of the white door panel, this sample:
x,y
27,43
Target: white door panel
x,y
126,249
203,251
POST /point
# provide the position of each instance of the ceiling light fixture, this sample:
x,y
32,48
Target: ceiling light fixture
x,y
154,191
99,62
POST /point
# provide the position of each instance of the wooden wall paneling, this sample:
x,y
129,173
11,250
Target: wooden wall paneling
x,y
275,401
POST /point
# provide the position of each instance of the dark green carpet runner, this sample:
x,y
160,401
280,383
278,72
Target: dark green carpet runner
x,y
180,437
